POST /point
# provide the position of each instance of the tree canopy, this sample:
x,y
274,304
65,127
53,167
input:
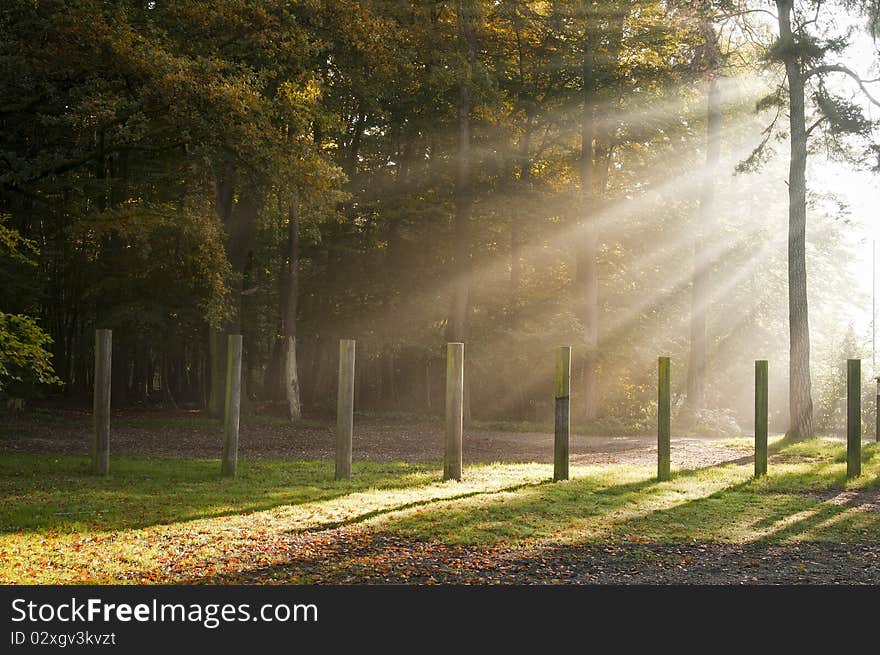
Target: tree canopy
x,y
517,174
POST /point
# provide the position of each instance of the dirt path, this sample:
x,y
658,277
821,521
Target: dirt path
x,y
189,435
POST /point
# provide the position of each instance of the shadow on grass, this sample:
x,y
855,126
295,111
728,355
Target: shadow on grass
x,y
810,503
366,516
742,509
538,509
807,501
55,493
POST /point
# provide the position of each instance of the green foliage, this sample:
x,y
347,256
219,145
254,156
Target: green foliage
x,y
843,116
153,152
24,359
14,246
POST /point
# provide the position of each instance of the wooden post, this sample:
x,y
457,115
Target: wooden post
x,y
877,413
761,421
345,409
663,419
853,418
232,407
454,408
563,405
101,407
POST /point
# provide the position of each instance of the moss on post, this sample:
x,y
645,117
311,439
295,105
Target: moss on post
x,y
761,421
563,408
853,418
454,410
663,419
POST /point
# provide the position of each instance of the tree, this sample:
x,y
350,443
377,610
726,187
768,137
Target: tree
x,y
24,359
804,57
708,64
466,16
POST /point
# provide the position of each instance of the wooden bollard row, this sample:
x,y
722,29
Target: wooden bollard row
x,y
452,460
853,418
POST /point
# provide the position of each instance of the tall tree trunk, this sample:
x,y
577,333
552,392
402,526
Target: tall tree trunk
x,y
291,295
216,372
587,277
167,394
597,73
463,184
239,221
799,384
223,203
388,396
464,194
522,197
701,288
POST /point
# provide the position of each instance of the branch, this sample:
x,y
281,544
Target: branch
x,y
815,125
736,14
840,68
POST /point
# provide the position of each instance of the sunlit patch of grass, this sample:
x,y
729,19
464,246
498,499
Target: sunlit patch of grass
x,y
746,444
59,524
169,519
56,492
626,503
820,448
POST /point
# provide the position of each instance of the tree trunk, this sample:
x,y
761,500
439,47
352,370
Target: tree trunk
x,y
799,384
167,394
595,74
290,380
464,194
463,185
217,372
701,289
240,226
119,379
224,199
521,206
587,278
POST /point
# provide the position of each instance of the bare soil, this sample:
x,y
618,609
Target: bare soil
x,y
375,439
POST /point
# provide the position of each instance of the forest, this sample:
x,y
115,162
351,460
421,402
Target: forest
x,y
613,263
515,175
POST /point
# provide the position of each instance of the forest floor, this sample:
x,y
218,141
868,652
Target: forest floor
x,y
165,516
376,439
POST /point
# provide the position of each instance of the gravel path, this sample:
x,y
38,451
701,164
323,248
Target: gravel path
x,y
374,440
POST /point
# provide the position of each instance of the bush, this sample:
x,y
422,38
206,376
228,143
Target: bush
x,y
24,360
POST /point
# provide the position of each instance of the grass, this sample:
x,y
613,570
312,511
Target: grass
x,y
597,428
56,493
167,519
799,500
